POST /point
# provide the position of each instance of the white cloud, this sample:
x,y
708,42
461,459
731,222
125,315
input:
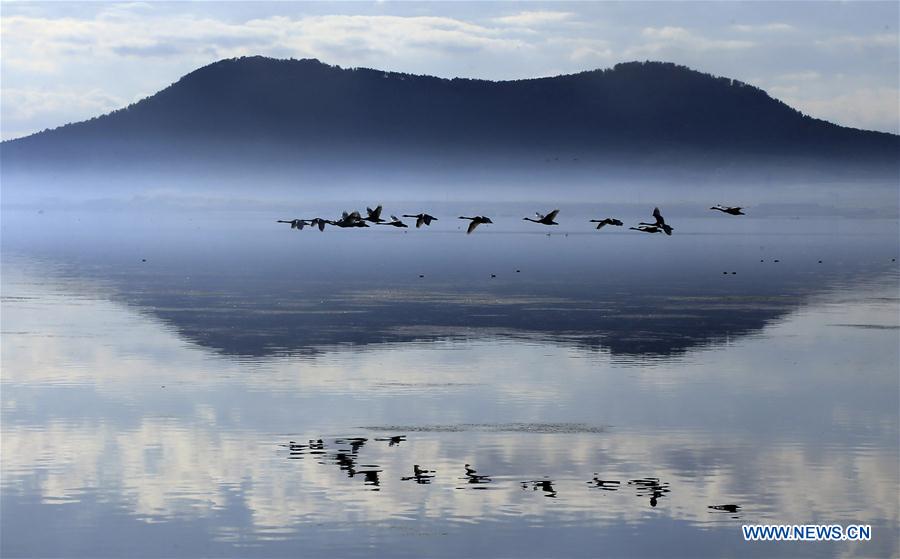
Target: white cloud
x,y
888,40
874,108
28,102
803,76
765,28
40,44
663,39
533,19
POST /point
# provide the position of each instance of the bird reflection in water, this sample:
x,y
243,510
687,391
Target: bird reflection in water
x,y
473,478
545,485
421,475
298,450
726,509
393,441
650,486
355,443
346,462
371,477
604,484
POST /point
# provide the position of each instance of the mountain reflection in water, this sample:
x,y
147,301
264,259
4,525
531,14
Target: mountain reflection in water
x,y
187,391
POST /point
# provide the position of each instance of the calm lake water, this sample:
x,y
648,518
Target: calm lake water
x,y
216,384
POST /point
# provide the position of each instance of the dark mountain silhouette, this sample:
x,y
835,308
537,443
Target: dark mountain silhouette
x,y
262,111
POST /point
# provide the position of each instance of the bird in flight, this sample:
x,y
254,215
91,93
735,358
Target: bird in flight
x,y
476,221
544,219
660,222
295,223
422,218
601,223
395,221
647,229
374,215
728,209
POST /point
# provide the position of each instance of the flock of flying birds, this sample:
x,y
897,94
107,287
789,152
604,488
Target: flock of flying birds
x,y
355,219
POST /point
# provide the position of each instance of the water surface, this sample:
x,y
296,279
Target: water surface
x,y
217,384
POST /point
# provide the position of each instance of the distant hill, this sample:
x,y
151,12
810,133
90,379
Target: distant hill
x,y
261,111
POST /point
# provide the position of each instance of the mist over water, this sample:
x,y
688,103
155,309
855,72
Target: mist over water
x,y
186,383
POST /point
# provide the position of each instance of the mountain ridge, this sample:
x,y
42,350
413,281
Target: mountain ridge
x,y
265,111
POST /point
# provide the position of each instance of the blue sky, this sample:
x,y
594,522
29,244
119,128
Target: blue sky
x,y
67,61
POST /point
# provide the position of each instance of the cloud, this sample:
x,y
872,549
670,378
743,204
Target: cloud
x,y
23,103
871,108
765,28
533,19
888,40
34,43
804,76
663,39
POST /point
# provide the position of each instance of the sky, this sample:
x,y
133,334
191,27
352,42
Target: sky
x,y
68,61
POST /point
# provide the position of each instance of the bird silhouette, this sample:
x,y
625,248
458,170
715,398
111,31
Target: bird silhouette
x,y
544,219
352,219
647,229
422,218
395,221
295,223
601,223
476,221
728,209
374,215
660,222
318,222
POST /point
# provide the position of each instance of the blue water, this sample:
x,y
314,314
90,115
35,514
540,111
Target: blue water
x,y
613,392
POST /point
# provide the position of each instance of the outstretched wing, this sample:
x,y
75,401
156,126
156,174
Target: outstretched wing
x,y
472,226
420,220
552,215
376,213
658,216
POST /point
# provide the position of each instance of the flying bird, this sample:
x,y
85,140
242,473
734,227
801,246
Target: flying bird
x,y
352,219
295,223
422,218
318,222
374,215
601,223
728,209
647,229
476,221
660,222
395,221
544,219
